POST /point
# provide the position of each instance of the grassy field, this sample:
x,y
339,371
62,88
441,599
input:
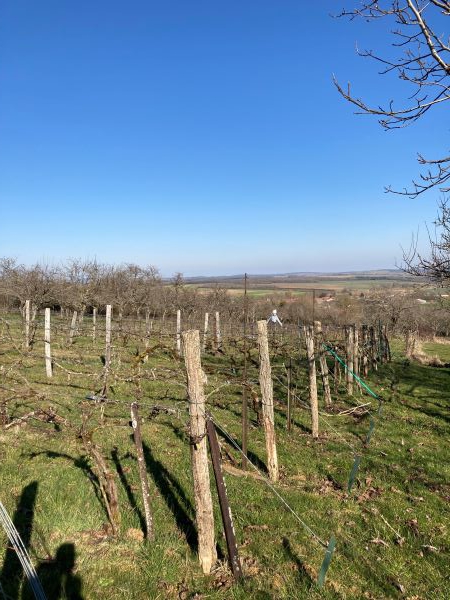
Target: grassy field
x,y
391,530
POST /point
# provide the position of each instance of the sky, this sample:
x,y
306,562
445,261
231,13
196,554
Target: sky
x,y
202,137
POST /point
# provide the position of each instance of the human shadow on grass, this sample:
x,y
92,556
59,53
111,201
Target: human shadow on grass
x,y
174,496
57,576
12,574
124,481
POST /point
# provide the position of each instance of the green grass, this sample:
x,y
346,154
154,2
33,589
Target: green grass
x,y
391,530
442,351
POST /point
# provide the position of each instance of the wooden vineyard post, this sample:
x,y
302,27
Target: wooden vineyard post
x,y
244,383
27,324
149,534
47,351
108,336
179,332
73,326
94,322
323,363
266,384
337,375
218,334
107,482
349,358
364,351
205,331
373,345
289,395
356,353
202,492
108,327
387,347
309,336
225,510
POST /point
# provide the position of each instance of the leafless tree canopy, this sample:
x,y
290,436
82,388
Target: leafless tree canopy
x,y
436,265
421,59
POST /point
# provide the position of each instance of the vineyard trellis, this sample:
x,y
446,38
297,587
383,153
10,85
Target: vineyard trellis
x,y
350,349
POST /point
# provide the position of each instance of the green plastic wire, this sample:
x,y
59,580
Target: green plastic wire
x,y
358,379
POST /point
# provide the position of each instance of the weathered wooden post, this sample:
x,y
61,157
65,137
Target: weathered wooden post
x,y
179,332
387,347
108,329
47,351
244,383
373,346
365,351
73,326
94,323
356,355
309,336
205,330
218,334
349,358
27,323
266,384
135,423
323,363
202,492
289,395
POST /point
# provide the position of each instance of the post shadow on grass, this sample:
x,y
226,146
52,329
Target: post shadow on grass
x,y
12,574
174,496
124,481
81,462
250,455
302,573
57,576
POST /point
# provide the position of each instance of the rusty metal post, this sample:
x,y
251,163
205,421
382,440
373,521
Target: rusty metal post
x,y
227,519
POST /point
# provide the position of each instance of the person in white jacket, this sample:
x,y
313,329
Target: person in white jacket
x,y
274,318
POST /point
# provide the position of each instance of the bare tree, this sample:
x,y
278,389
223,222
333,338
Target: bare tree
x,y
421,59
435,266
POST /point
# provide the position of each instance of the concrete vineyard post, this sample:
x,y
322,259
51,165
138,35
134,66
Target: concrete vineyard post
x,y
47,350
266,384
199,453
309,336
94,323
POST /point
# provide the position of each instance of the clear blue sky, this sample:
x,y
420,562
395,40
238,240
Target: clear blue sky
x,y
201,137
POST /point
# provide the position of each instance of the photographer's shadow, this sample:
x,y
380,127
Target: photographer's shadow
x,y
57,576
